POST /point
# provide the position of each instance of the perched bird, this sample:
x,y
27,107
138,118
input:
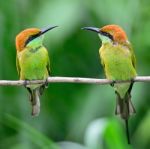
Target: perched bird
x,y
118,60
33,63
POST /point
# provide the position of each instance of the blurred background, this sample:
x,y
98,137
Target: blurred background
x,y
73,116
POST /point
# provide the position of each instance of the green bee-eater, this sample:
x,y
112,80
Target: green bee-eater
x,y
118,60
32,62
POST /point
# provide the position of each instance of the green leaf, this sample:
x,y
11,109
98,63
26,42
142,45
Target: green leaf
x,y
31,133
105,133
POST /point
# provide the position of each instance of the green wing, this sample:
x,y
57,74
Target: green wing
x,y
48,66
132,55
18,66
47,59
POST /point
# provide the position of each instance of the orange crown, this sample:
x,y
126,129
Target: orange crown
x,y
117,32
22,37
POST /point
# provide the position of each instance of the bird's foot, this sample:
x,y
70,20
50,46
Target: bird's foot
x,y
112,83
132,81
25,83
131,85
29,90
46,83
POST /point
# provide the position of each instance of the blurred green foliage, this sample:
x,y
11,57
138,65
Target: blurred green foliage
x,y
73,112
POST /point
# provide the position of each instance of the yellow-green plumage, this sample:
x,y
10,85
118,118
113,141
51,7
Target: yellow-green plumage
x,y
33,63
119,64
118,60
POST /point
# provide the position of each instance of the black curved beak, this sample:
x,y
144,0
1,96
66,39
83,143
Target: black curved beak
x,y
94,29
39,34
43,31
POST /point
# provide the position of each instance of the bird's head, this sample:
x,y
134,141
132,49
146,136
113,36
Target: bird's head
x,y
30,37
110,33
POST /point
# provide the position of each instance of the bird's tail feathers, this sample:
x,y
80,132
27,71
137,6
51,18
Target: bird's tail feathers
x,y
35,101
124,107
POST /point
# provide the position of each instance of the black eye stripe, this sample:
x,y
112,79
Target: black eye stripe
x,y
28,40
31,38
107,35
